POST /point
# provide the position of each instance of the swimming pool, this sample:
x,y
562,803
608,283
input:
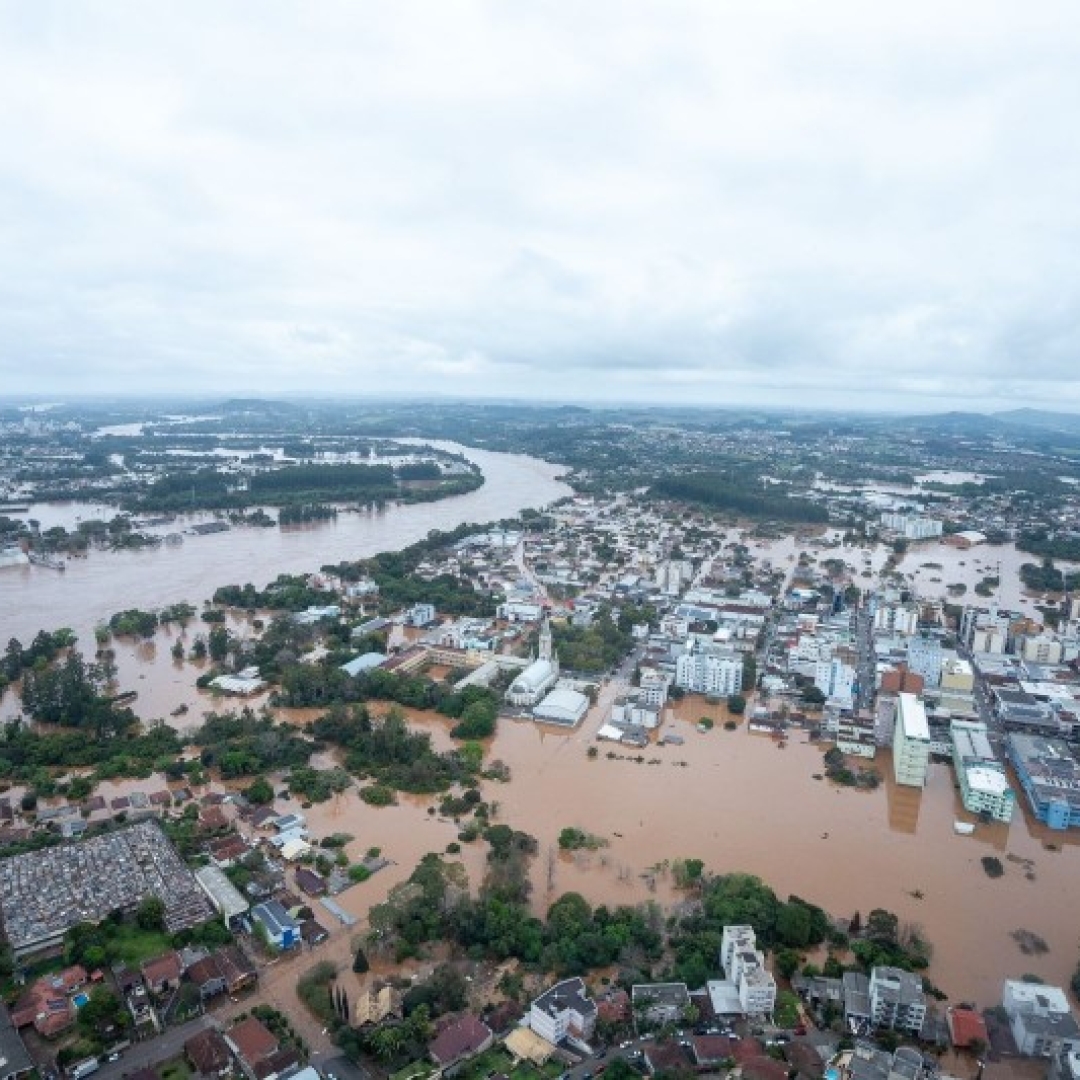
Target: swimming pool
x,y
80,1000
832,1074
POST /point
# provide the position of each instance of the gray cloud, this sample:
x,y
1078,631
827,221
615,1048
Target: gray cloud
x,y
819,203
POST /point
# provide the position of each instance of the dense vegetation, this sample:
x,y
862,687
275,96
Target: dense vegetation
x,y
248,744
474,707
574,937
389,752
739,493
600,645
71,692
1048,578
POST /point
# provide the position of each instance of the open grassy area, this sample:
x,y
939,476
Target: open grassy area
x,y
786,1013
497,1060
134,945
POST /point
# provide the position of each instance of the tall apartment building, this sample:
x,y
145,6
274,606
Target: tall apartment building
x,y
835,679
984,785
900,619
897,1000
911,742
709,670
912,526
924,657
744,966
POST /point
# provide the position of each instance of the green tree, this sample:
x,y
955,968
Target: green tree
x,y
150,914
260,791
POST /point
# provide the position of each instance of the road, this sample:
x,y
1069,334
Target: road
x,y
142,1055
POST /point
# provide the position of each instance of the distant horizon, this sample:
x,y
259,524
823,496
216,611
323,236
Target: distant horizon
x,y
24,401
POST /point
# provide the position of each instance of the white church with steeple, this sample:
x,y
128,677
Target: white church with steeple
x,y
542,674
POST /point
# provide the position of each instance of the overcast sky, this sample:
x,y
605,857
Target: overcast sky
x,y
848,203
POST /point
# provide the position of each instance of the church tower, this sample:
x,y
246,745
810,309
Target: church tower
x,y
545,640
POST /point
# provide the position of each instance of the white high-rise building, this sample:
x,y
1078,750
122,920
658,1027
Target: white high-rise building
x,y
707,670
911,742
744,966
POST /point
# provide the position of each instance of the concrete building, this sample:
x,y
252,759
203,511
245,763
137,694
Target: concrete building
x,y
897,1000
562,706
836,680
924,657
984,786
900,619
660,1003
1050,776
1042,649
565,1011
911,742
1040,1018
744,967
707,669
912,526
420,615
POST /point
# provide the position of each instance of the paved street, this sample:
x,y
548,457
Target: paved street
x,y
143,1054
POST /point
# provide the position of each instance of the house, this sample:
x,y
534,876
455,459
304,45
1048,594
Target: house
x,y
252,1042
47,1004
660,1003
665,1057
281,929
461,1039
14,1060
709,1051
966,1027
162,973
309,882
565,1011
208,1053
227,851
313,932
377,1005
205,975
1040,1018
236,969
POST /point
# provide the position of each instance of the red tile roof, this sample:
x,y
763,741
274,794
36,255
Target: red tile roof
x,y
966,1025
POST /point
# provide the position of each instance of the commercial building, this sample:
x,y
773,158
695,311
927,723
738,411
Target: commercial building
x,y
14,1060
984,786
1050,776
911,742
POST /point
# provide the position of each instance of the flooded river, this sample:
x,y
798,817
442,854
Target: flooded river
x,y
34,598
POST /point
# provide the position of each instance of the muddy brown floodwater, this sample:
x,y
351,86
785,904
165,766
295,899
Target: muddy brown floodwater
x,y
742,803
34,598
